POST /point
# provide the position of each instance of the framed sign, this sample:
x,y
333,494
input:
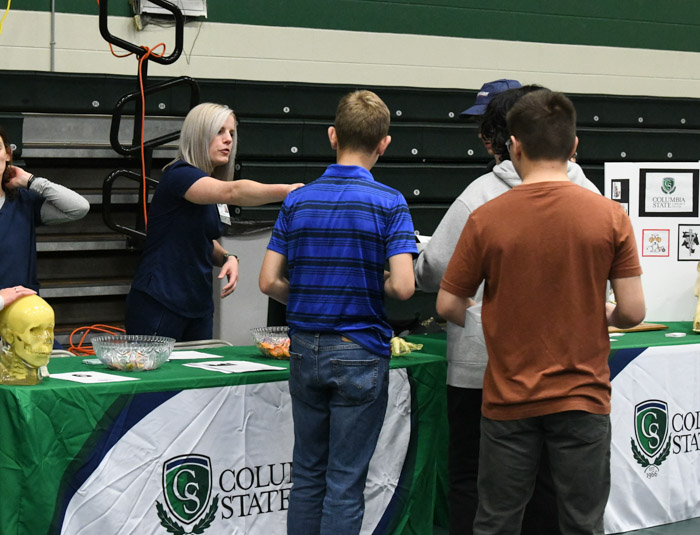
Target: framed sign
x,y
655,242
689,242
668,192
620,192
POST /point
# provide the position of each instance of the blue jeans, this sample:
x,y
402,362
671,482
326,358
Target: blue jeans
x,y
339,396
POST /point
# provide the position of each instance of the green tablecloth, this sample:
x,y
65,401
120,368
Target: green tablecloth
x,y
436,344
670,359
48,432
657,338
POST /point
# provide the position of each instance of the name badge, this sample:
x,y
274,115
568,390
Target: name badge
x,y
224,214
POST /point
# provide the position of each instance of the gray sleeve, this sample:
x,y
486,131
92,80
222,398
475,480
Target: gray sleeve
x,y
577,176
61,204
432,262
592,187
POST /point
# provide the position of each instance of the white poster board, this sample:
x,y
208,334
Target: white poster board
x,y
662,202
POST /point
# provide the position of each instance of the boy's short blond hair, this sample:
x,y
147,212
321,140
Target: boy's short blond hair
x,y
361,121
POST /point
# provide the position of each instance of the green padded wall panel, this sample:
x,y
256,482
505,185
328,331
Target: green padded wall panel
x,y
639,24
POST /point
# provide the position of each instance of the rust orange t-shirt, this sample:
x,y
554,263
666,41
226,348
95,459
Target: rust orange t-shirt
x,y
546,251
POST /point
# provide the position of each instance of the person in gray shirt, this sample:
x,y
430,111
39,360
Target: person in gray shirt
x,y
466,350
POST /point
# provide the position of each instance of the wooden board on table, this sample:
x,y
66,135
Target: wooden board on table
x,y
639,328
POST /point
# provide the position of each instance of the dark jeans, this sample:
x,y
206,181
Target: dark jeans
x,y
145,315
464,415
578,444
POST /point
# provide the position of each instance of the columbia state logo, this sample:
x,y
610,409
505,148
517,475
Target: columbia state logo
x,y
187,487
668,185
651,444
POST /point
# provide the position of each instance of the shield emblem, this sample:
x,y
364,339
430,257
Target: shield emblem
x,y
187,486
651,425
669,185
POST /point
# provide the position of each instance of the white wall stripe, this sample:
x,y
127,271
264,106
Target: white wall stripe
x,y
265,53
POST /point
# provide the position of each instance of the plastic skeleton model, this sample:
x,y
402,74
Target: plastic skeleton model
x,y
26,328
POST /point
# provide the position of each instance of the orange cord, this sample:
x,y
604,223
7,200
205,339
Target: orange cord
x,y
149,52
82,350
112,49
119,55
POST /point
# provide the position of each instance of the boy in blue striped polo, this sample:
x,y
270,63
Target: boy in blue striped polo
x,y
326,261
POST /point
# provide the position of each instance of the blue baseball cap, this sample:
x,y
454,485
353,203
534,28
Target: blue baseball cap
x,y
486,94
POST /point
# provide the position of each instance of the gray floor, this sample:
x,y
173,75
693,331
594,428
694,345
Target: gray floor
x,y
688,527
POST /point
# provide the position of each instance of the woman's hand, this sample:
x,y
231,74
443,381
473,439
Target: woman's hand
x,y
17,177
10,295
229,270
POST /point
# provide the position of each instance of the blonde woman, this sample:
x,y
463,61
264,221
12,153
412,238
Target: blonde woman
x,y
171,294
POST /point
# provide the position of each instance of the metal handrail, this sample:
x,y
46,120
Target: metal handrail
x,y
135,146
138,143
138,49
138,235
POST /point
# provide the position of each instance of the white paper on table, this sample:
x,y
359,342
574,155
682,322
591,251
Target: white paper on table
x,y
188,354
232,366
92,377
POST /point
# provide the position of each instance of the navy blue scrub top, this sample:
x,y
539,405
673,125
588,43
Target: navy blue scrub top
x,y
176,265
19,218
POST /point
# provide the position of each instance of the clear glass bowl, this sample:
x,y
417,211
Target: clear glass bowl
x,y
133,352
272,341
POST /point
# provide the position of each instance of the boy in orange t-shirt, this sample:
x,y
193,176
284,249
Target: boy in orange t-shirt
x,y
546,249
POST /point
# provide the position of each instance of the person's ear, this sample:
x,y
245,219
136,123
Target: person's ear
x,y
573,151
333,137
383,144
516,148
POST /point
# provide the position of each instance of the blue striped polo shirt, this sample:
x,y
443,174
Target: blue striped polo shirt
x,y
337,234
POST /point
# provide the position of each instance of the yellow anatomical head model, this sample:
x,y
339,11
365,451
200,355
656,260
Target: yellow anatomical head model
x,y
26,327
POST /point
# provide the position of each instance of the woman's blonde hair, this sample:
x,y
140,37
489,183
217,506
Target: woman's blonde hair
x,y
201,126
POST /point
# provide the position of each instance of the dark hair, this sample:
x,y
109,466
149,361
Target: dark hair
x,y
361,121
493,124
9,193
544,122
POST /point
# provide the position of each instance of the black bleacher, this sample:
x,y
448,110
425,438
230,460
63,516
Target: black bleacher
x,y
433,156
